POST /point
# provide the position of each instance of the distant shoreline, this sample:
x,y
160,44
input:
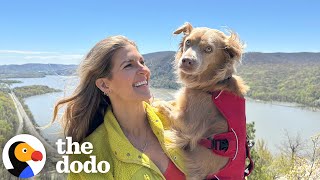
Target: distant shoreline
x,y
278,103
286,104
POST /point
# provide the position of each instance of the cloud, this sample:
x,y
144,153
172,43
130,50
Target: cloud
x,y
57,57
23,57
24,52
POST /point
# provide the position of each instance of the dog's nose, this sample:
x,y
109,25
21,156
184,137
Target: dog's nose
x,y
187,62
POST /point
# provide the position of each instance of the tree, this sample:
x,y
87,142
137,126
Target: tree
x,y
315,157
297,159
298,162
263,160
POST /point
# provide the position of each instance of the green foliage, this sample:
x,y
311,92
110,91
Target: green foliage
x,y
161,67
9,82
283,77
286,165
35,70
27,91
5,128
22,75
262,161
251,131
8,118
4,89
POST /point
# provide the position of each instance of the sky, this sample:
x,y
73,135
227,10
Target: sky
x,y
63,31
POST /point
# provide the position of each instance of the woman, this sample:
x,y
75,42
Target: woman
x,y
109,109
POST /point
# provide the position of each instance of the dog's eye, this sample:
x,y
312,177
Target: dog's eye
x,y
188,42
208,49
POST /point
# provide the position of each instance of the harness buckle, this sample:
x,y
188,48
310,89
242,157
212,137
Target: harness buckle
x,y
219,144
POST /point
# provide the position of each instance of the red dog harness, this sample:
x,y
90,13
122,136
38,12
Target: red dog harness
x,y
232,144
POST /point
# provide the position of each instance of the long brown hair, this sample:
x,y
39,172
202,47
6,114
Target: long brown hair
x,y
85,108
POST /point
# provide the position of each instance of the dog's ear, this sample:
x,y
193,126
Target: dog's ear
x,y
234,47
186,28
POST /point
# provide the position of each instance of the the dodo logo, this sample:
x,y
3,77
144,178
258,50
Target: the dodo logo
x,y
24,156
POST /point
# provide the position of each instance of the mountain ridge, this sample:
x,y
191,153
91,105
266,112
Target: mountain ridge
x,y
287,77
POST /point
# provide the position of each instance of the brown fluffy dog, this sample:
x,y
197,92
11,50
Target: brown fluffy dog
x,y
205,62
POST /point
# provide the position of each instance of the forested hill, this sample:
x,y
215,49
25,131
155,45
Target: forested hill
x,y
282,58
288,77
35,70
160,65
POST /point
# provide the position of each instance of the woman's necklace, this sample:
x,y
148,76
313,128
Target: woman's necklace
x,y
146,142
133,142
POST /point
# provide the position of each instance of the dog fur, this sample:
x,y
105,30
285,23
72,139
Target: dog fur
x,y
205,62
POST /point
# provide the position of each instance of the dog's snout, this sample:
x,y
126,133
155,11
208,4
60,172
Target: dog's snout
x,y
187,62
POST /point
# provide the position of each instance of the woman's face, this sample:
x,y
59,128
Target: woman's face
x,y
130,76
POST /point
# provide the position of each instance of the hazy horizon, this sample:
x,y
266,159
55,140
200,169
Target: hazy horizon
x,y
71,62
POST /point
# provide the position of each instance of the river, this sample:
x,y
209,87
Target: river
x,y
271,120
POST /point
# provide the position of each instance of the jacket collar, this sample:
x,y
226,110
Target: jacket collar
x,y
120,145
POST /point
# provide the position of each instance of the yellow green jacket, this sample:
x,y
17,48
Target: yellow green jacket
x,y
126,162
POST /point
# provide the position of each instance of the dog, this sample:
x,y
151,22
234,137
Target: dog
x,y
205,64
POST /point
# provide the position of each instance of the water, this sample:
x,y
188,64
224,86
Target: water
x,y
271,120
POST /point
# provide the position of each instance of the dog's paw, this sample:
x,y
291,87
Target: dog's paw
x,y
163,107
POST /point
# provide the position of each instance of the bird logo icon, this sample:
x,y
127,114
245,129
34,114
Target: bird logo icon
x,y
24,156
